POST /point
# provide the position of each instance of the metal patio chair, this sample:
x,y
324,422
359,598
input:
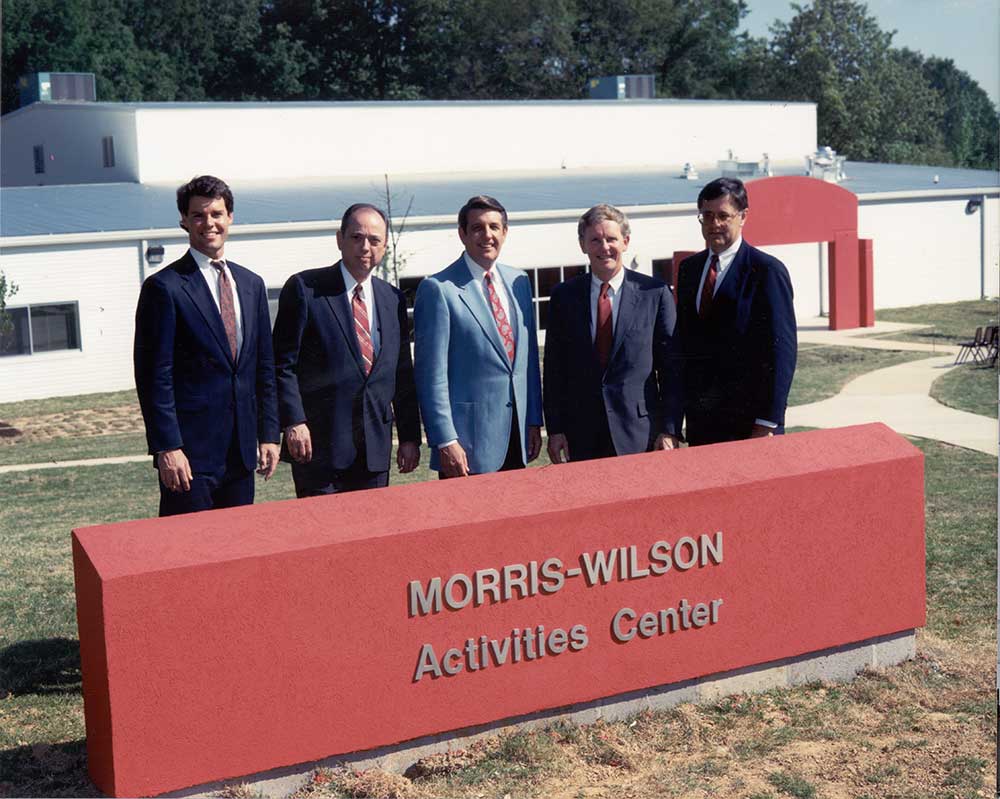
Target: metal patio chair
x,y
967,348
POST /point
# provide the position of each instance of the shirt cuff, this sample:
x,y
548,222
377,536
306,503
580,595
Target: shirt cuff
x,y
447,444
765,423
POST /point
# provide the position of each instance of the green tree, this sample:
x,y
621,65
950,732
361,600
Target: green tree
x,y
873,102
7,290
970,123
80,36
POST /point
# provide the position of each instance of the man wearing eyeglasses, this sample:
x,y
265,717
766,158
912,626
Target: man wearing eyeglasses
x,y
736,325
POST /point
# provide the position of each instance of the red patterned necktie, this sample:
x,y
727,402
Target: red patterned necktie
x,y
226,306
604,337
363,329
503,326
708,289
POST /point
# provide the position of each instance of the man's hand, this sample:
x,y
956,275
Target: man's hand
x,y
454,463
268,454
534,441
175,471
299,443
558,448
407,456
762,431
665,441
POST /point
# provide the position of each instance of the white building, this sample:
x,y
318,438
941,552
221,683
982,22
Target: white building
x,y
77,244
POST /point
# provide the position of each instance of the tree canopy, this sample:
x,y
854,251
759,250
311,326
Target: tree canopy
x,y
874,101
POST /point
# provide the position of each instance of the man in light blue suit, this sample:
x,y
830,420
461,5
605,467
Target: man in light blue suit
x,y
476,354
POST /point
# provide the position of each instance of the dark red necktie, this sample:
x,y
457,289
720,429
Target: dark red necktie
x,y
708,289
226,306
605,332
503,326
363,329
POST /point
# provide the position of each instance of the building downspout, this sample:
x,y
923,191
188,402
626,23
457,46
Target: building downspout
x,y
982,246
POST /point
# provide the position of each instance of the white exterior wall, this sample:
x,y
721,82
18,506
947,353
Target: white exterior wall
x,y
307,141
72,138
925,251
104,280
991,236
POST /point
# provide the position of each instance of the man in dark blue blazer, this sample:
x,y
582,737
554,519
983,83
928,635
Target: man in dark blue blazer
x,y
204,369
736,324
612,384
344,371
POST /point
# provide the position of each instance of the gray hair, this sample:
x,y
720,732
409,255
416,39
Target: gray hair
x,y
602,213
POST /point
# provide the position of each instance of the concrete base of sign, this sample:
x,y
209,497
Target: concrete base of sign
x,y
837,664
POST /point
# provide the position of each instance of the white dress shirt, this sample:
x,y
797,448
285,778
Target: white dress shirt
x,y
212,278
614,294
725,261
368,295
478,273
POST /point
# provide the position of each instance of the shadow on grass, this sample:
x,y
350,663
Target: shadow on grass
x,y
46,770
48,666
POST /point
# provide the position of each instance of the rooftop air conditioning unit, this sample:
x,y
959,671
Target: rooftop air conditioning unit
x,y
48,86
623,87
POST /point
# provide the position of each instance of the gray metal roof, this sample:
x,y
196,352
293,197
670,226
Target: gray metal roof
x,y
75,105
43,210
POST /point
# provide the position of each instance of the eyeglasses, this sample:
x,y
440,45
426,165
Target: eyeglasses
x,y
723,218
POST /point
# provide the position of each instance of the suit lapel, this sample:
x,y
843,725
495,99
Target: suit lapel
x,y
197,290
727,298
583,315
475,301
247,309
336,298
626,315
386,320
687,290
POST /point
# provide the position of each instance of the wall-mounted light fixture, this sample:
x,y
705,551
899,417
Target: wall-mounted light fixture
x,y
972,206
154,254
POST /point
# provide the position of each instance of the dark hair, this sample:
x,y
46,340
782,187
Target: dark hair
x,y
203,186
352,210
602,213
725,187
481,202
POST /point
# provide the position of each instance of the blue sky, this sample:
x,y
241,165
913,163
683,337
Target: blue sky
x,y
966,31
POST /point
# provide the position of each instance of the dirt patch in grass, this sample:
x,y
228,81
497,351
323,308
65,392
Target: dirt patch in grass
x,y
924,728
76,423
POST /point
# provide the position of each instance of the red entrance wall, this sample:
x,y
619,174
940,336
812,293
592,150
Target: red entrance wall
x,y
223,643
798,210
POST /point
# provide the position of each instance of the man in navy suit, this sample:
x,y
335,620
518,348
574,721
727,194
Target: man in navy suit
x,y
476,354
737,327
611,370
204,370
342,356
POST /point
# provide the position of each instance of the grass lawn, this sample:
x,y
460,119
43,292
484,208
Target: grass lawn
x,y
43,407
950,322
821,372
69,449
923,729
968,387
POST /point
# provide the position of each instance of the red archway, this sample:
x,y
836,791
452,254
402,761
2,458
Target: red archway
x,y
797,210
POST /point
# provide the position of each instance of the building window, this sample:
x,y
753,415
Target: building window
x,y
41,328
663,269
108,148
39,159
545,279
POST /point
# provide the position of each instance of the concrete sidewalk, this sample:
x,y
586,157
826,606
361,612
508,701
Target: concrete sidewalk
x,y
897,395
